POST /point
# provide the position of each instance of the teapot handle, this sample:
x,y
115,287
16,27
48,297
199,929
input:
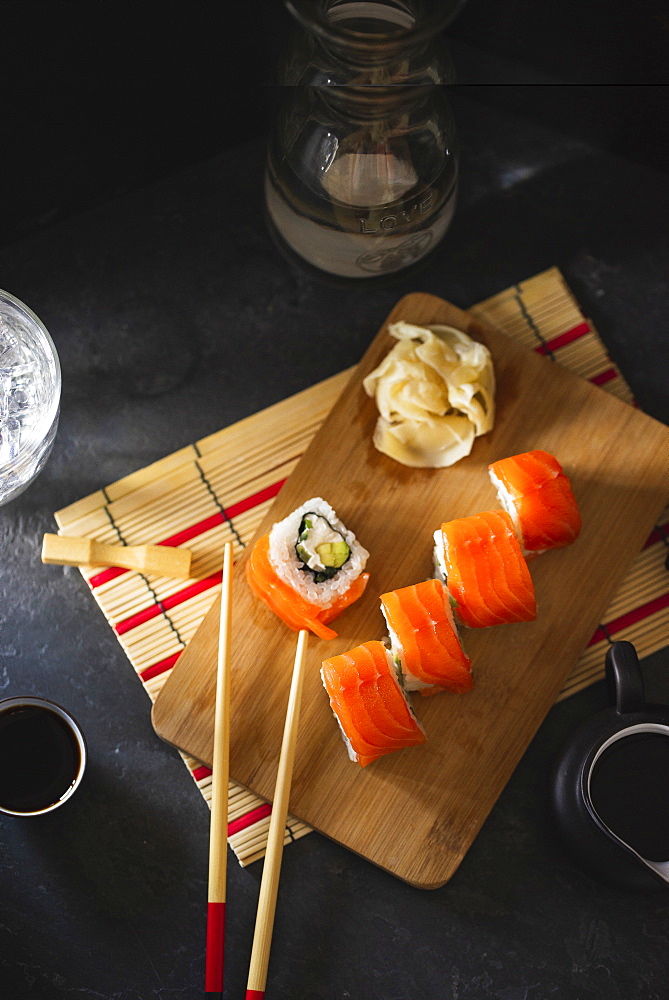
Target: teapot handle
x,y
623,678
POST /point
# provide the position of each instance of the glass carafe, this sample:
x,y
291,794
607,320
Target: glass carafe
x,y
362,162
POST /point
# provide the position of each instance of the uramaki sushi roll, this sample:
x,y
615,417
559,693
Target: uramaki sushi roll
x,y
369,704
485,570
308,568
538,496
424,639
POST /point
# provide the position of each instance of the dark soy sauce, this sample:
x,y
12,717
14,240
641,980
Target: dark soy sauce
x,y
629,790
39,758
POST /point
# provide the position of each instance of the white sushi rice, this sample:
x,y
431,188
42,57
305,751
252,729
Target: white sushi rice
x,y
287,565
352,755
439,556
396,654
506,501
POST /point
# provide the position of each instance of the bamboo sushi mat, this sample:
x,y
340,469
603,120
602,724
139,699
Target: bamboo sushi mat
x,y
221,487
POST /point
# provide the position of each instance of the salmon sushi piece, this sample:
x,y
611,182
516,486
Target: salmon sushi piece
x,y
309,568
369,704
424,639
534,490
485,570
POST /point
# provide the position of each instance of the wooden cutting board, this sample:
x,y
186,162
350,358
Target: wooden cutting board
x,y
416,812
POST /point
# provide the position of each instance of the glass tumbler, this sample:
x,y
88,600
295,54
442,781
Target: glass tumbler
x,y
362,163
30,385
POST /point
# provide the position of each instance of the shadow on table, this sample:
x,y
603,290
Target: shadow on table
x,y
105,849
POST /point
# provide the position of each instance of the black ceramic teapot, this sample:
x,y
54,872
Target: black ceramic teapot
x,y
610,791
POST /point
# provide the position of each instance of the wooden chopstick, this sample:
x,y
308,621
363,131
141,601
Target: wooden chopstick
x,y
262,936
218,830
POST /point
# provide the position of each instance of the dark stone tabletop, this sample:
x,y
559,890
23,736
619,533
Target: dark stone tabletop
x,y
174,315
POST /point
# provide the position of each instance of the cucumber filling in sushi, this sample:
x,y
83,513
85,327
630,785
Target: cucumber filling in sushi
x,y
321,548
315,554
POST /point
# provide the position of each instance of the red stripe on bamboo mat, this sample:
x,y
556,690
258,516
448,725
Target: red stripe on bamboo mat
x,y
658,534
234,510
604,377
160,667
106,576
201,772
254,816
207,524
170,602
213,521
631,617
243,505
564,338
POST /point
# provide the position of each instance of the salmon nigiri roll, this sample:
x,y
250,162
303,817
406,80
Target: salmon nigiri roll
x,y
424,639
485,570
369,704
308,568
536,493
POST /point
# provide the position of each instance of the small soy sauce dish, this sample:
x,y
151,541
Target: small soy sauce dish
x,y
610,788
42,756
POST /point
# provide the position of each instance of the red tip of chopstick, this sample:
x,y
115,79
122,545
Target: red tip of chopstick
x,y
213,976
255,995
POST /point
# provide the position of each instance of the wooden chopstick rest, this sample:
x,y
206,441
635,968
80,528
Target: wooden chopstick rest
x,y
161,560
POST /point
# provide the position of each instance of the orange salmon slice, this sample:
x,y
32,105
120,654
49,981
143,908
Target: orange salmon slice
x,y
539,497
486,571
425,637
369,703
